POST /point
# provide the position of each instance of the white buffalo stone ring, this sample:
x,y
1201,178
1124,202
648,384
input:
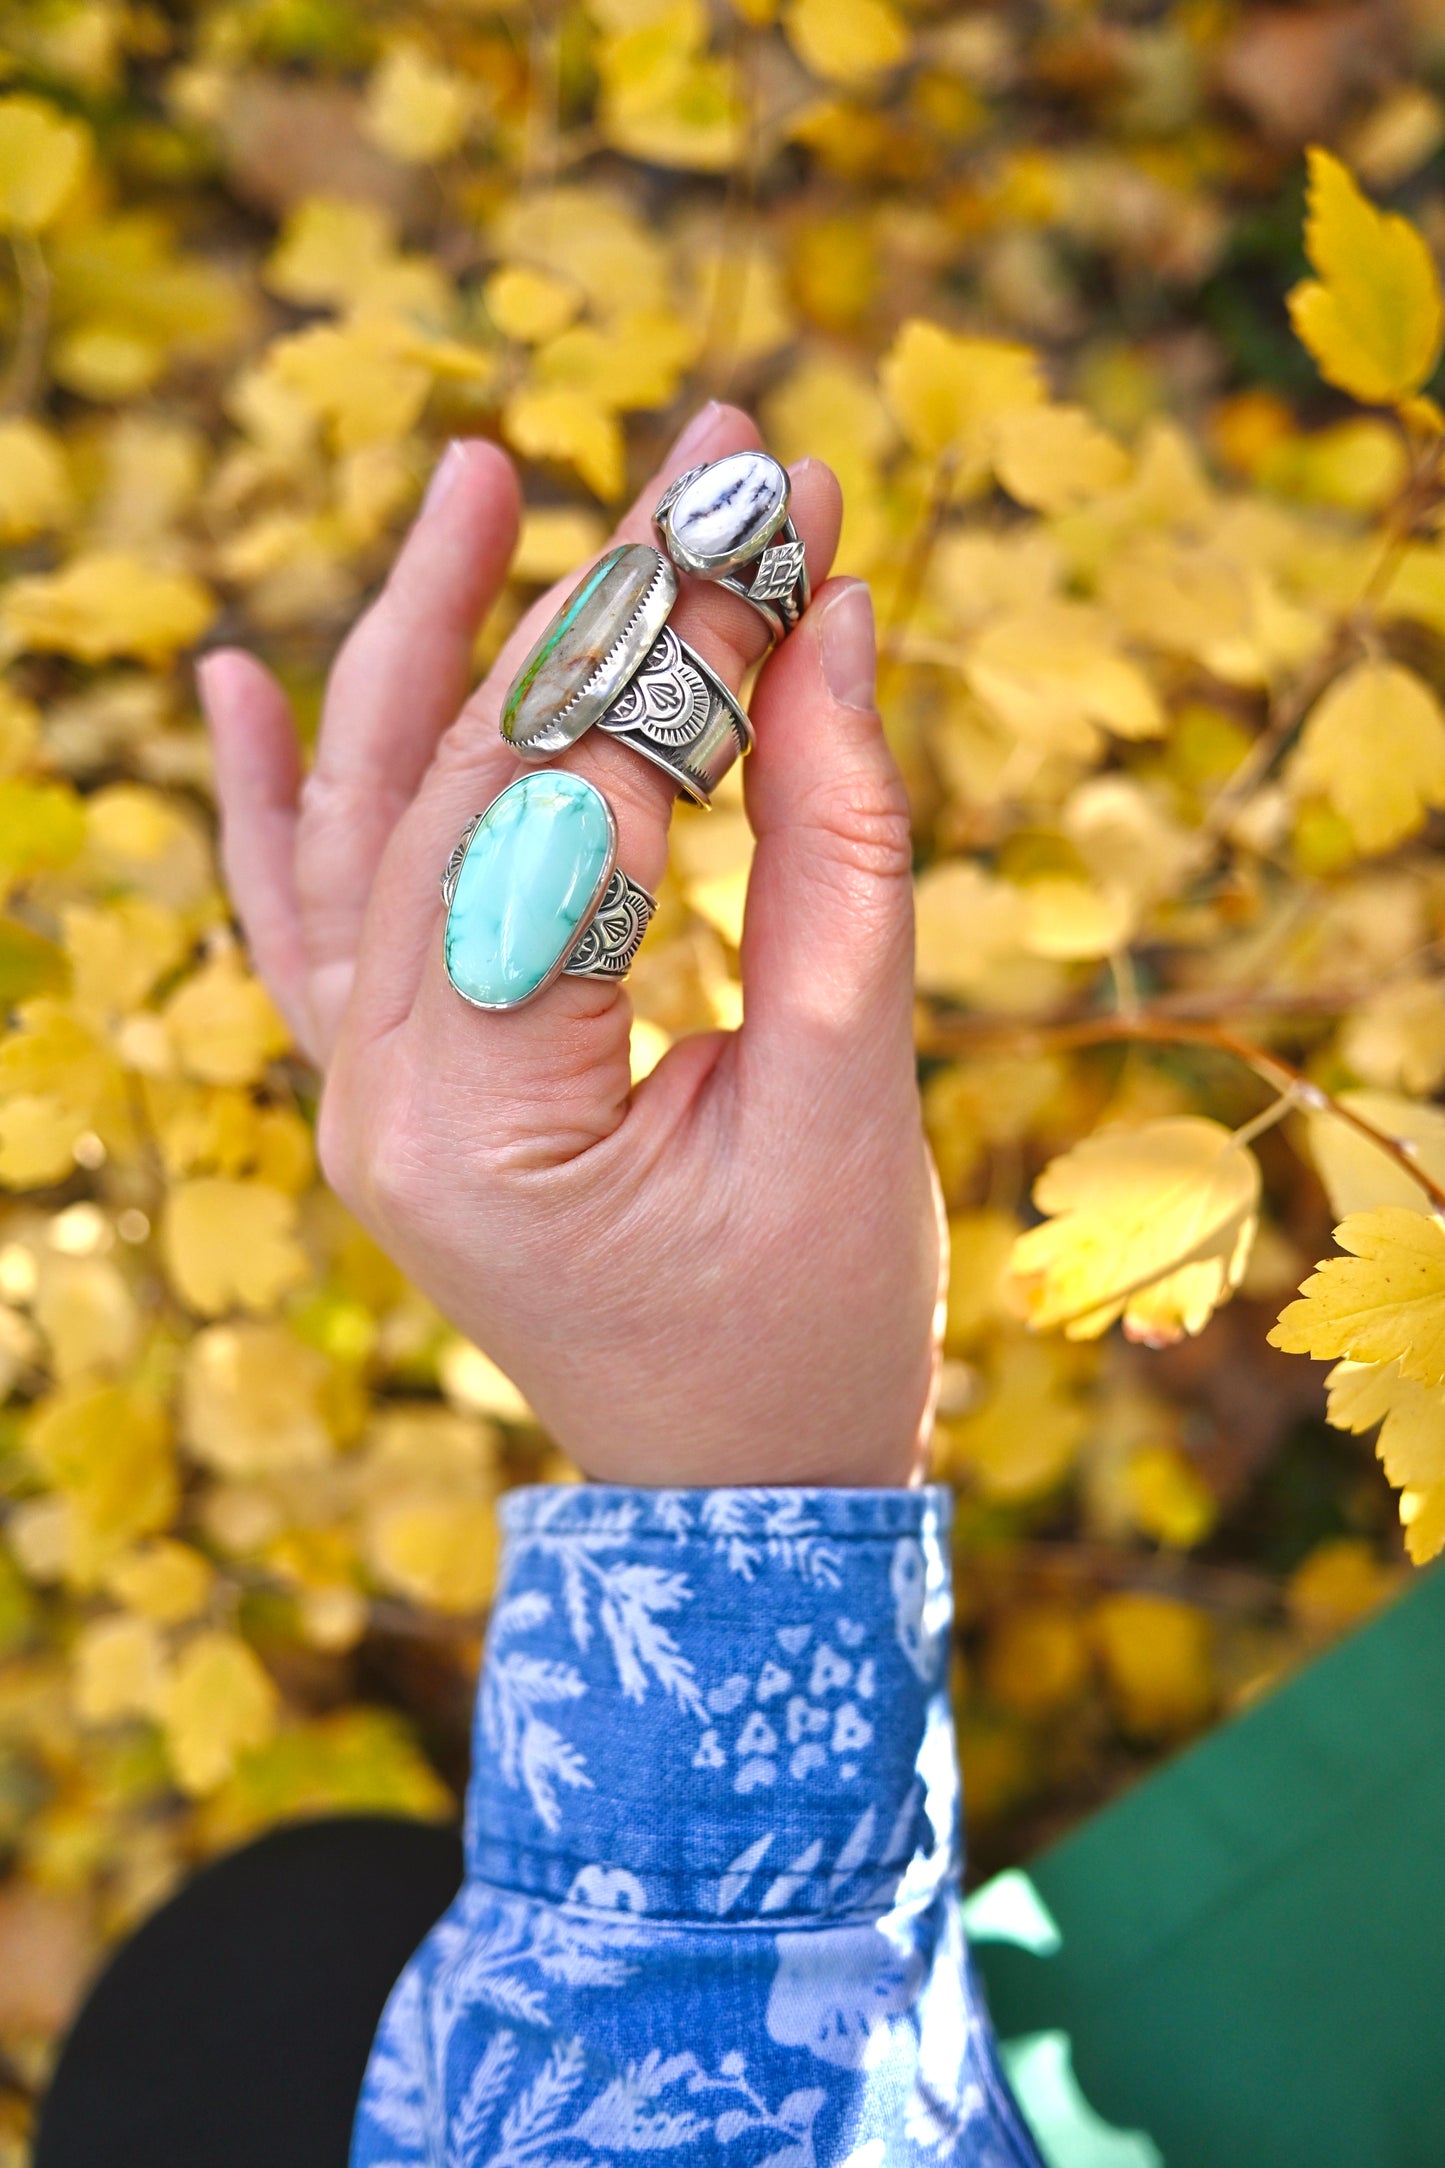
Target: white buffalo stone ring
x,y
610,658
728,522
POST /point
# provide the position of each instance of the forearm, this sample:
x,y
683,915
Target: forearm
x,y
712,1852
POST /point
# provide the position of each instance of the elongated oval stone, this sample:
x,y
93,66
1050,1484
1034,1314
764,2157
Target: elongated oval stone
x,y
727,513
589,651
535,868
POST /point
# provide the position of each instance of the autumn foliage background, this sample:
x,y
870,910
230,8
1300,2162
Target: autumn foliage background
x,y
1158,560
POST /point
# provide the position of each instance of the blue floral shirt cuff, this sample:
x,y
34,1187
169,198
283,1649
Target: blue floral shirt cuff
x,y
711,1907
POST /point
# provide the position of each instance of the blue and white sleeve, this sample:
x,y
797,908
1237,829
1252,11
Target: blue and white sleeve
x,y
711,1910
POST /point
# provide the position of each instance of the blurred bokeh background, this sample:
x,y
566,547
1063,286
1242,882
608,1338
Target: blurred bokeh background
x,y
259,259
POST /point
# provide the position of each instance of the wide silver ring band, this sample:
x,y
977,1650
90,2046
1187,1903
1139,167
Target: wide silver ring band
x,y
676,712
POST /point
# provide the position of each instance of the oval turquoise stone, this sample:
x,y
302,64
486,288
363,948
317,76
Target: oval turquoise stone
x,y
534,869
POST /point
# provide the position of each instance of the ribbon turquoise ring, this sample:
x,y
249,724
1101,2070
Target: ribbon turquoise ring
x,y
533,889
610,658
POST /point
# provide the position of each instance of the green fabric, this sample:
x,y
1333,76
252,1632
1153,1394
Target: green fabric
x,y
1253,1959
1069,2133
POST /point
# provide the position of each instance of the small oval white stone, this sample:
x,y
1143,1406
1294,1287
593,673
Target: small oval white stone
x,y
728,512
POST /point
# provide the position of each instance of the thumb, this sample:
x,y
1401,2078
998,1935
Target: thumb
x,y
827,953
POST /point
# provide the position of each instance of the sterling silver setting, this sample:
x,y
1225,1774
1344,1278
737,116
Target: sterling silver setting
x,y
677,712
606,941
609,658
728,522
589,650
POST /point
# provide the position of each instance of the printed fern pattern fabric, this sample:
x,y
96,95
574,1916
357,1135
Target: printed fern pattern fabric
x,y
711,1911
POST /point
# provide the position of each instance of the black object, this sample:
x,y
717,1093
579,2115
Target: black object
x,y
232,2031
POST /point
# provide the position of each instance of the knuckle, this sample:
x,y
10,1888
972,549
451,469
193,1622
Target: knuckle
x,y
867,826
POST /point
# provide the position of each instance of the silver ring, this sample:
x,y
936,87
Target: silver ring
x,y
676,711
589,650
728,522
533,889
609,657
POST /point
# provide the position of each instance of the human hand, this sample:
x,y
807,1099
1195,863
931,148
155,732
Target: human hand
x,y
729,1274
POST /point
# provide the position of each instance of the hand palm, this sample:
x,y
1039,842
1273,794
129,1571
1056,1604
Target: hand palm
x,y
729,1274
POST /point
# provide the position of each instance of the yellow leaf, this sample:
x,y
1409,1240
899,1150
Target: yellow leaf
x,y
224,1025
1157,1658
554,541
138,839
34,484
1022,1440
1037,1661
120,1670
253,1399
1373,318
1070,919
970,939
471,1380
1383,1303
42,827
567,425
19,730
415,109
57,1082
1356,1174
1411,1444
118,952
88,1314
646,1045
1167,1498
948,392
1154,1224
38,1136
217,1703
104,604
1055,457
664,99
636,361
979,1247
359,1760
439,1550
362,379
1055,675
846,41
42,158
593,238
108,1449
1397,1038
330,251
229,1243
165,1581
1374,746
530,305
1340,1582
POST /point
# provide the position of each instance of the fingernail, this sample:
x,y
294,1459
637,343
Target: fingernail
x,y
850,650
444,475
700,427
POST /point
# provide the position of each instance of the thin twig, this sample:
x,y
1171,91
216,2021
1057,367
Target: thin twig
x,y
22,377
1168,1031
914,571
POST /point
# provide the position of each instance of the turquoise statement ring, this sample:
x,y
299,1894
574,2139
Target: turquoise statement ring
x,y
533,889
610,658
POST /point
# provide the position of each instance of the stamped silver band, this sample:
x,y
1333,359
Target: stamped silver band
x,y
607,944
728,522
677,712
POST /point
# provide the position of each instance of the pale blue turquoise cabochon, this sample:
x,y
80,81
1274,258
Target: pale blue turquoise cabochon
x,y
534,869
